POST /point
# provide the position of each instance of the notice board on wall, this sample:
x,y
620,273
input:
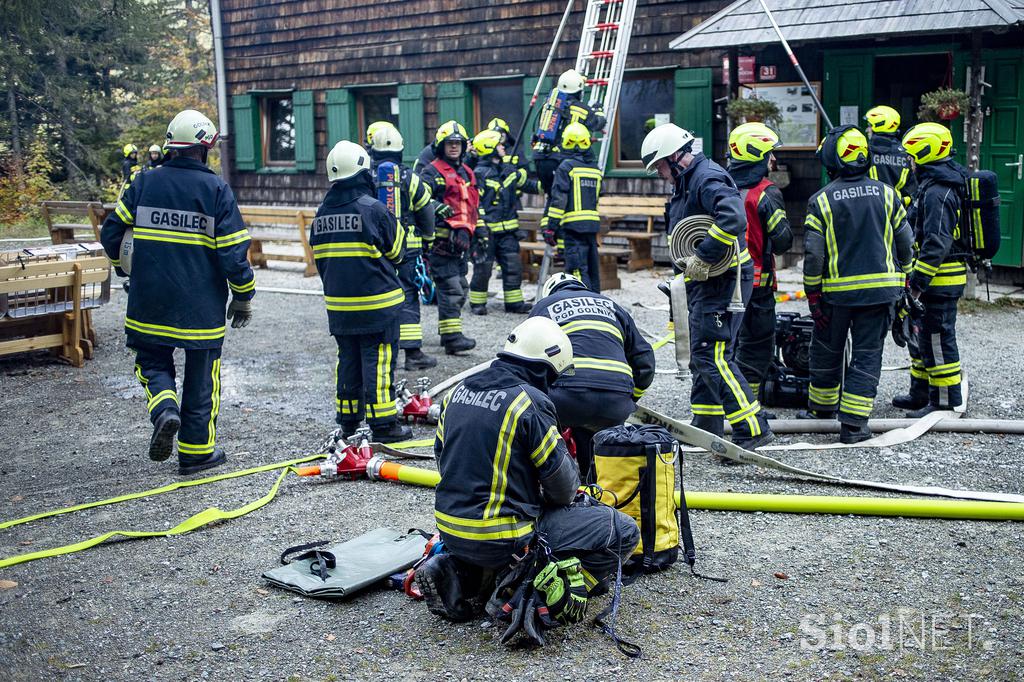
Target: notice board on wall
x,y
801,125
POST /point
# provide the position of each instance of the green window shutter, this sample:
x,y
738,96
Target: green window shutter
x,y
246,117
341,116
410,118
305,135
693,104
454,102
529,83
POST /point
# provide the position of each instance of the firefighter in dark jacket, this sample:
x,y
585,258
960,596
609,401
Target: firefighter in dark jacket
x,y
357,243
890,163
154,157
768,234
857,249
452,183
702,187
497,183
182,240
565,102
613,364
409,198
571,213
940,271
506,475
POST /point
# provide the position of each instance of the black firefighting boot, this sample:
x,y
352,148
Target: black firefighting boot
x,y
392,433
193,464
849,433
416,359
478,308
161,444
459,343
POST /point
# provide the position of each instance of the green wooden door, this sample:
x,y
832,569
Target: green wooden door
x,y
848,88
1002,147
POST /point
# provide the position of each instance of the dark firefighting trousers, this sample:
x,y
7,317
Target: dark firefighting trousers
x,y
200,393
410,330
504,248
587,411
719,388
546,165
449,273
581,258
365,374
939,355
756,344
867,327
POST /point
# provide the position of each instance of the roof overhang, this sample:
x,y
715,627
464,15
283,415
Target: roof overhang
x,y
744,22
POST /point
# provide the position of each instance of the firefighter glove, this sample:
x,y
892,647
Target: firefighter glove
x,y
444,211
481,245
550,237
459,240
818,311
240,313
697,269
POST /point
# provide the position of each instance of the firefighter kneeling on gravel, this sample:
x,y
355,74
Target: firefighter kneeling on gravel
x,y
188,245
357,243
507,506
857,247
453,184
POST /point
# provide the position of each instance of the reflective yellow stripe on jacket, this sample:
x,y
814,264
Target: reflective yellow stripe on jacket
x,y
362,303
174,332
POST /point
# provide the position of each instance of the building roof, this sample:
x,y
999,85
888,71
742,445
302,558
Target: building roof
x,y
744,22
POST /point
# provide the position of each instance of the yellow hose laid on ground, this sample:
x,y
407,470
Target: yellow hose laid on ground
x,y
859,506
792,504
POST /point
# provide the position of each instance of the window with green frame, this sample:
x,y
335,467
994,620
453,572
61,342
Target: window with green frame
x,y
273,131
498,99
646,99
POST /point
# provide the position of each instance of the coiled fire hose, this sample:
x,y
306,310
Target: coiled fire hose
x,y
688,234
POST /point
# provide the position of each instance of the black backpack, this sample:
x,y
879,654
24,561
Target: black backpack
x,y
979,217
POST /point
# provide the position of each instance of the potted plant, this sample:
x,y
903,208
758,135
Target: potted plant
x,y
750,109
943,104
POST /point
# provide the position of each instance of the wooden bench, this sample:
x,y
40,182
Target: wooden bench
x,y
45,300
617,208
70,232
279,224
608,257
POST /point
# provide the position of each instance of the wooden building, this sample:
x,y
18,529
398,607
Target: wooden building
x,y
303,74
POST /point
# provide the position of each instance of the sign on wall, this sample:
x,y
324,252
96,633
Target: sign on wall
x,y
800,128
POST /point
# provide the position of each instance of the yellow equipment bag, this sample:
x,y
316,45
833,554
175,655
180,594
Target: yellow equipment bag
x,y
636,474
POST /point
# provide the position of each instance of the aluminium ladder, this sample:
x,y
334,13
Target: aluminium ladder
x,y
604,46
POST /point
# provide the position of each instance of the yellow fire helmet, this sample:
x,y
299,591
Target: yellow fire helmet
x,y
486,142
374,127
852,146
752,142
576,136
883,119
928,142
450,130
500,125
129,149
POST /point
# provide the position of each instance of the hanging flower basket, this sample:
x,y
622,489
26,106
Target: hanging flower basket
x,y
944,104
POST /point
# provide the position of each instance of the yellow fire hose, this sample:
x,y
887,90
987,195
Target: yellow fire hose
x,y
792,504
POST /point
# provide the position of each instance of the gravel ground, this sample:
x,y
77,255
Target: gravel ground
x,y
809,597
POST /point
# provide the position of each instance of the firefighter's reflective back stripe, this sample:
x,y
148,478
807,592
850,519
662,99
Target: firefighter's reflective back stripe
x,y
189,222
233,238
495,528
359,303
869,281
748,411
953,273
169,237
830,236
601,364
502,454
586,188
546,446
345,250
174,332
593,325
890,199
